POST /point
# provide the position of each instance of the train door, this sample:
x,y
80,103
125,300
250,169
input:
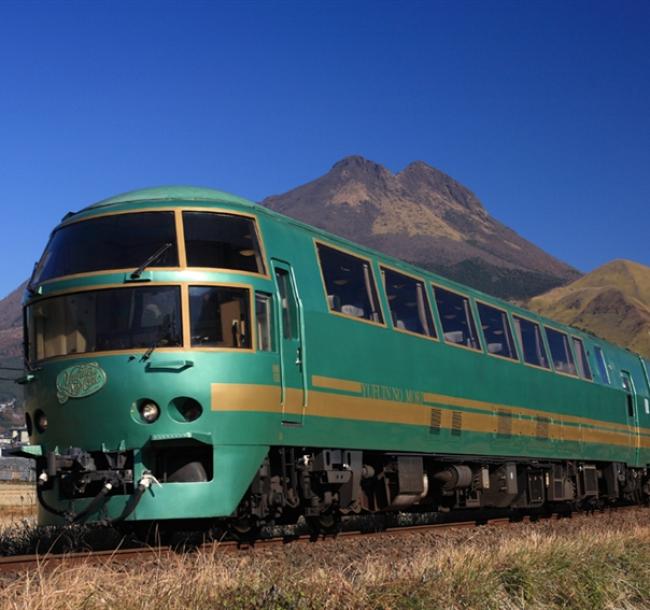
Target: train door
x,y
632,412
291,344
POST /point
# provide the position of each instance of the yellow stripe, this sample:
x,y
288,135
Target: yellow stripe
x,y
261,398
332,383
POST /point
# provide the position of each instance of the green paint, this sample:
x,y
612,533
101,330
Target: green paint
x,y
331,346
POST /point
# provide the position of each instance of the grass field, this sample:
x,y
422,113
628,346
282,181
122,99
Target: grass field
x,y
570,564
17,503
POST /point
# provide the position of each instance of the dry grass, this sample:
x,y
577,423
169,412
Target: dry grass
x,y
572,564
17,504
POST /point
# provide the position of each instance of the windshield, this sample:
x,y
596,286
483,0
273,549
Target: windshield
x,y
118,241
102,320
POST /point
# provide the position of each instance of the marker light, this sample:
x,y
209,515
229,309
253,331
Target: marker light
x,y
41,421
149,411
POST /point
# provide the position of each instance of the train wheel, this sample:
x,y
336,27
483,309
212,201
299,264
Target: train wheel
x,y
326,524
244,529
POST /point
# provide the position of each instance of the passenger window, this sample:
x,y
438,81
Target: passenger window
x,y
581,357
222,241
219,317
496,331
602,365
530,338
350,284
288,305
263,317
560,351
456,317
409,306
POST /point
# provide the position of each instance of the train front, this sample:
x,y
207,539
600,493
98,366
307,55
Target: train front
x,y
139,307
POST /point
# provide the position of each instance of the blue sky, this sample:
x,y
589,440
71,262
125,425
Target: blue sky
x,y
541,108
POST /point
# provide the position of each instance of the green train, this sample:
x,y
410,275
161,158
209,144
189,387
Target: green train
x,y
192,356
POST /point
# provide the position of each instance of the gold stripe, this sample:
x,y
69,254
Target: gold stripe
x,y
245,397
262,398
491,406
332,383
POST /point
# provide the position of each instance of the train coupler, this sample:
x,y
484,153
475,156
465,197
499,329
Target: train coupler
x,y
83,474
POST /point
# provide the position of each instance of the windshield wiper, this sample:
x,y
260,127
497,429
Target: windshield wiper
x,y
165,333
152,259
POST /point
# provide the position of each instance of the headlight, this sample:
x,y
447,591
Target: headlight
x,y
41,421
149,411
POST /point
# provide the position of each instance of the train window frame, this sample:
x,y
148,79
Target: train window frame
x,y
581,358
370,280
268,344
549,331
260,255
516,357
426,304
179,249
469,310
602,365
251,317
515,319
30,340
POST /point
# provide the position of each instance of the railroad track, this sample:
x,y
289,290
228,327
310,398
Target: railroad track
x,y
16,564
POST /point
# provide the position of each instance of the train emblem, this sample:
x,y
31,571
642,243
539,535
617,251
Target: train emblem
x,y
79,381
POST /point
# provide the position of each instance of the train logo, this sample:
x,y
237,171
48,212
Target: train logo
x,y
79,381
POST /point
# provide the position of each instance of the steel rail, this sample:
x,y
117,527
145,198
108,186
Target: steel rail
x,y
24,563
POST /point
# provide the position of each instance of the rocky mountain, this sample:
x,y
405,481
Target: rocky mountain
x,y
11,323
425,217
11,336
612,302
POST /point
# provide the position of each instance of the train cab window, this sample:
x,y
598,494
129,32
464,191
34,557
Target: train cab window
x,y
104,320
409,306
582,361
222,241
530,339
456,317
496,331
263,317
350,284
219,317
601,364
116,241
561,355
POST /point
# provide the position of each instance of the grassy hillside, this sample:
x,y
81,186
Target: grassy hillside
x,y
612,302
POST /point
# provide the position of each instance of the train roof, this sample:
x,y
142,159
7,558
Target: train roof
x,y
171,193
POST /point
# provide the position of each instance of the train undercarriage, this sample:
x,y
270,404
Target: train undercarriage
x,y
326,485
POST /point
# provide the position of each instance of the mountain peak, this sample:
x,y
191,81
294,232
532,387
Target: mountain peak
x,y
359,168
424,216
612,301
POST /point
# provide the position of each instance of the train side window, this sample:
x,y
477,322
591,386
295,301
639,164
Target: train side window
x,y
561,355
458,325
222,241
219,317
263,318
496,331
581,359
601,363
350,284
409,306
288,305
626,382
530,339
